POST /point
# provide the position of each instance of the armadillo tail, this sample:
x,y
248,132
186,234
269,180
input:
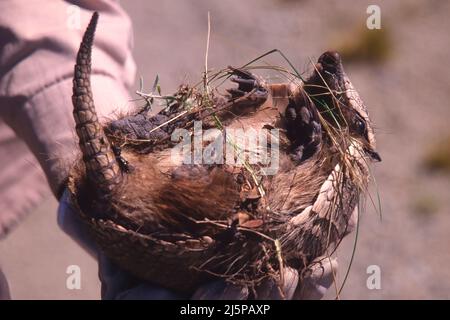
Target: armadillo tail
x,y
102,169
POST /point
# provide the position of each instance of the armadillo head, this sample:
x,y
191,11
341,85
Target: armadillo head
x,y
332,90
102,170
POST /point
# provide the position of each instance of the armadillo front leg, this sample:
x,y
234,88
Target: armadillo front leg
x,y
301,118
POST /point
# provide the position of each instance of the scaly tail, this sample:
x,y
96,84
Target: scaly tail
x,y
102,168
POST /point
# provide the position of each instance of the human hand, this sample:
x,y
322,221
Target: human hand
x,y
4,288
319,277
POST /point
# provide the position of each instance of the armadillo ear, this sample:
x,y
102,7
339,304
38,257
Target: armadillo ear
x,y
330,61
102,169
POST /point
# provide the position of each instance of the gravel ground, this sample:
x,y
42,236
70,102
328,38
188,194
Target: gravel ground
x,y
407,95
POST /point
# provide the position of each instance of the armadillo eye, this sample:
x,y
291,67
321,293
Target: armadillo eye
x,y
360,126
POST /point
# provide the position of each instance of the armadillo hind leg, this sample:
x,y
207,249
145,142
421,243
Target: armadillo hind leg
x,y
251,91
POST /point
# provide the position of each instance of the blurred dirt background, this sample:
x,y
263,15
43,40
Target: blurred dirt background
x,y
401,71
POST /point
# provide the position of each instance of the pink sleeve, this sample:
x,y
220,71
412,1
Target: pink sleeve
x,y
38,43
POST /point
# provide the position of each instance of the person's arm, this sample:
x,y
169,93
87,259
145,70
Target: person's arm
x,y
38,45
36,69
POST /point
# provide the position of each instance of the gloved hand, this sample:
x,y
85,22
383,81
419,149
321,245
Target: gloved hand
x,y
314,286
119,284
4,288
